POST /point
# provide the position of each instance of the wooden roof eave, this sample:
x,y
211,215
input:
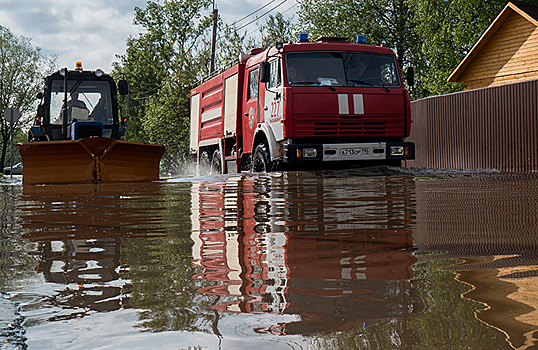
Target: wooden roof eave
x,y
488,34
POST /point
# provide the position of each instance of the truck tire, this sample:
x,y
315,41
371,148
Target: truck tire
x,y
261,160
216,166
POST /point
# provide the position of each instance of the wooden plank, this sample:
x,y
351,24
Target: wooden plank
x,y
528,45
505,35
490,63
527,62
512,45
505,70
480,83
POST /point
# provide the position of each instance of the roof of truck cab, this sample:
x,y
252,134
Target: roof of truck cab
x,y
73,75
318,46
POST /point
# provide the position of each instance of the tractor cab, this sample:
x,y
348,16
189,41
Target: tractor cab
x,y
77,104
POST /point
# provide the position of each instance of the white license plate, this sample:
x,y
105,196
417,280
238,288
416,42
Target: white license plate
x,y
349,152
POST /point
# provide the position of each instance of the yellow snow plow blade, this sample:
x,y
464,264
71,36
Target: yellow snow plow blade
x,y
88,160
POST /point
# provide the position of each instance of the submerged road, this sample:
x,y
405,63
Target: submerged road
x,y
370,259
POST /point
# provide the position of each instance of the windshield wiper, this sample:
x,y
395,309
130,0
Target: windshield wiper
x,y
314,83
386,88
362,82
306,82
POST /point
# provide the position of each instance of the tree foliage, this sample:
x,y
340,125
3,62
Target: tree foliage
x,y
22,67
162,64
277,29
431,35
448,30
232,44
385,22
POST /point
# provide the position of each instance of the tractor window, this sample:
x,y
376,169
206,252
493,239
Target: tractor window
x,y
86,100
253,84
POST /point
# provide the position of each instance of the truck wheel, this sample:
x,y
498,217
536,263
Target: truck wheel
x,y
216,166
261,160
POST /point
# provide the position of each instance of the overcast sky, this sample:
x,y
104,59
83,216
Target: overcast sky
x,y
94,31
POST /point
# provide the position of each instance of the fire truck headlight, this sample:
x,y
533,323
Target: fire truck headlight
x,y
396,151
310,153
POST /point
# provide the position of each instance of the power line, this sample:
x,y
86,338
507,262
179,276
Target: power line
x,y
252,32
250,14
257,18
292,6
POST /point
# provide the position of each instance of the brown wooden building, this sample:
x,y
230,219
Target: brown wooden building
x,y
506,52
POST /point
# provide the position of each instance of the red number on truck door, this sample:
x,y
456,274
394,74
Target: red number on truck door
x,y
274,110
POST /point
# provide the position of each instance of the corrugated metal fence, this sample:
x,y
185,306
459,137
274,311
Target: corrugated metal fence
x,y
489,128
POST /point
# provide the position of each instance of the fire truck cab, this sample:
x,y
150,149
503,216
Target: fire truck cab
x,y
307,104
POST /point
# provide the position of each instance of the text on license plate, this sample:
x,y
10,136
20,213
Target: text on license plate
x,y
346,152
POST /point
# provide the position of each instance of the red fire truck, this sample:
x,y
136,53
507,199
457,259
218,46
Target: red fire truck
x,y
322,103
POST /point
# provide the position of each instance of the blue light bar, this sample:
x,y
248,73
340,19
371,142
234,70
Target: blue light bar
x,y
303,37
361,39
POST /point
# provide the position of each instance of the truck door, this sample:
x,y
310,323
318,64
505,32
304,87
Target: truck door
x,y
250,107
272,104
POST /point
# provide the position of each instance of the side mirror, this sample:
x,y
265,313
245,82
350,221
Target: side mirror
x,y
123,86
40,111
411,76
264,72
39,96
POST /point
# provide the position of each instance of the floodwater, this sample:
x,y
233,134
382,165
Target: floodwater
x,y
380,258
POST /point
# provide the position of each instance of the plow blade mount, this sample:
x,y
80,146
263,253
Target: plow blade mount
x,y
88,160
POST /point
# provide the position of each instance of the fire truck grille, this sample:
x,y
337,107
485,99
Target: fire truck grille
x,y
349,127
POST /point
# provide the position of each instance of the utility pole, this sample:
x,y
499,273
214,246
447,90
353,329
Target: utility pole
x,y
214,38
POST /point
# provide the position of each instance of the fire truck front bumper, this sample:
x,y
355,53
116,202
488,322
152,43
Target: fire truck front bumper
x,y
342,152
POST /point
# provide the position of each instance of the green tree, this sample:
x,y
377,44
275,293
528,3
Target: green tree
x,y
141,67
277,29
22,67
162,64
448,30
232,44
385,22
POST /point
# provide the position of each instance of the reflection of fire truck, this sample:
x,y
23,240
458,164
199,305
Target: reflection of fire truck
x,y
306,103
284,255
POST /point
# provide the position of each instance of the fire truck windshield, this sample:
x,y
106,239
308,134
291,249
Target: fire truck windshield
x,y
341,69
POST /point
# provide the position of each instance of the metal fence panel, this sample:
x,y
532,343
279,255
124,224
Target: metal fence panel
x,y
489,128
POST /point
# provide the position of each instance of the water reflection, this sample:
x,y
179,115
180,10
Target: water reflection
x,y
490,226
390,261
333,257
80,230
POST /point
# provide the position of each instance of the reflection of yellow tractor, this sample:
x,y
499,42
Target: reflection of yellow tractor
x,y
76,136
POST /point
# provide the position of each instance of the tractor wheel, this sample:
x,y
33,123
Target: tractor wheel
x,y
216,165
261,160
